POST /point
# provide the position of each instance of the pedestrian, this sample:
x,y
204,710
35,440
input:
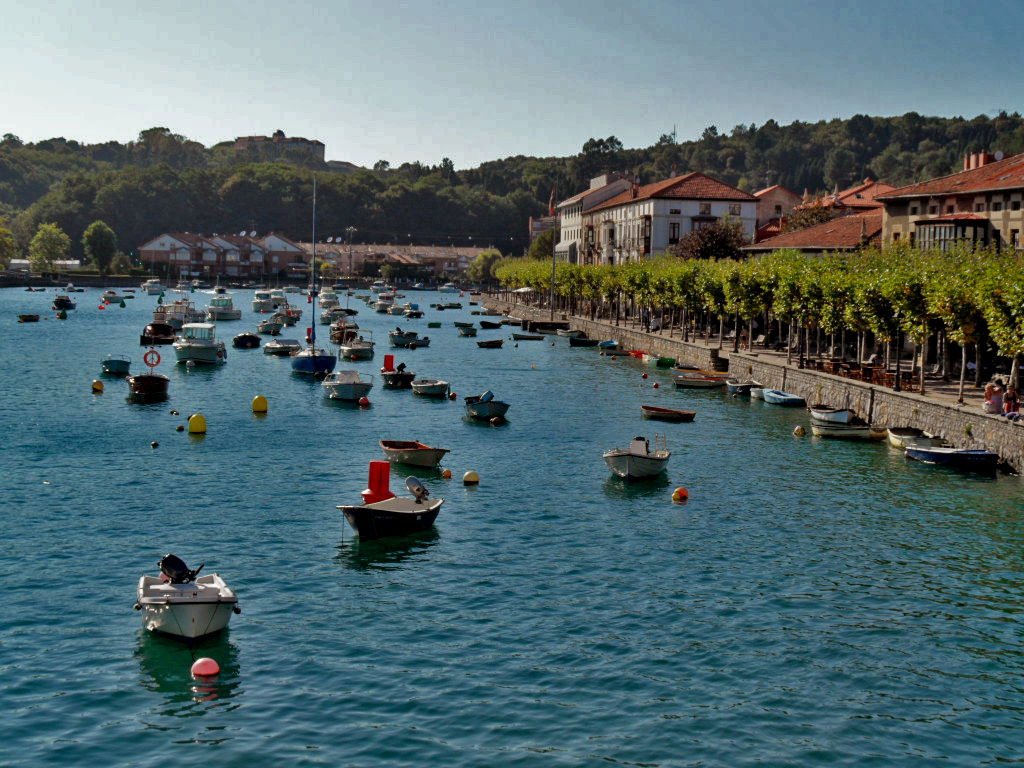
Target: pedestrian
x,y
994,397
1011,404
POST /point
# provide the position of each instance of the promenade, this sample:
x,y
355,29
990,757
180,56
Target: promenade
x,y
935,411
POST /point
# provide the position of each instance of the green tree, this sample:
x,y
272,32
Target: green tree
x,y
802,218
719,241
481,270
49,246
99,244
541,247
8,245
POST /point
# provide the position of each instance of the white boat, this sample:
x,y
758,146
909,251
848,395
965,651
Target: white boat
x,y
152,287
697,380
282,347
177,313
270,326
756,391
400,338
112,296
841,431
570,333
222,308
70,288
906,437
412,452
332,314
449,288
346,385
382,306
277,295
639,460
263,302
181,603
328,298
378,286
198,344
396,309
824,414
431,387
357,349
288,314
484,407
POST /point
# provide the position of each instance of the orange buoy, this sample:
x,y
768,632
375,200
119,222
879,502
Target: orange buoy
x,y
446,474
680,495
452,395
205,667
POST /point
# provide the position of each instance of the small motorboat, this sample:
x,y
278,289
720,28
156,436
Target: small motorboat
x,y
397,379
608,345
28,318
346,385
527,337
313,360
639,460
222,308
453,305
579,341
282,347
182,603
484,407
569,333
412,452
62,302
392,515
467,331
287,315
824,414
960,458
756,391
905,437
666,414
112,297
737,387
490,344
70,288
851,431
198,344
116,365
270,327
777,397
246,341
697,380
400,338
357,349
430,387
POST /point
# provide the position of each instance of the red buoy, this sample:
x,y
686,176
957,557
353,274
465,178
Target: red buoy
x,y
364,401
645,376
205,667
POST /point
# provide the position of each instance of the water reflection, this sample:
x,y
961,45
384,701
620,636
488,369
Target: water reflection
x,y
165,664
385,554
616,487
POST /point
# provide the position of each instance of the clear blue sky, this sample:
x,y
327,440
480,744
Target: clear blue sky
x,y
477,80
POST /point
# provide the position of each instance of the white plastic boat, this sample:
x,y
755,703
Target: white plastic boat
x,y
222,308
179,602
431,387
357,349
198,344
152,287
346,385
639,460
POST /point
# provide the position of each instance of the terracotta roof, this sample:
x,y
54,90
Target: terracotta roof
x,y
692,186
861,196
998,175
772,188
770,228
952,217
844,233
191,239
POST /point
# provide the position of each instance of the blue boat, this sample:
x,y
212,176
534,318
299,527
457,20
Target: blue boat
x,y
313,359
609,344
962,458
778,397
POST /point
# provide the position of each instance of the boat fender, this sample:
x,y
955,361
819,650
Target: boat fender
x,y
137,607
799,431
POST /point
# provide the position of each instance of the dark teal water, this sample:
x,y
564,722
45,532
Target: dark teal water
x,y
815,603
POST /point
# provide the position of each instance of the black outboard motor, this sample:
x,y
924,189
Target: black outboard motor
x,y
174,568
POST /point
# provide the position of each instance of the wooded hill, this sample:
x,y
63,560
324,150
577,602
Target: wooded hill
x,y
165,182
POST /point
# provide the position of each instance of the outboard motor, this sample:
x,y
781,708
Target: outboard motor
x,y
174,568
417,489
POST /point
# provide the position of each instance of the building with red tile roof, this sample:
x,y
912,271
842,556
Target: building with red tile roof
x,y
648,219
982,204
846,233
774,203
570,214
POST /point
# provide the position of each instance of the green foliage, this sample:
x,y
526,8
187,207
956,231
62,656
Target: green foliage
x,y
543,245
8,246
49,245
99,243
809,217
722,240
481,270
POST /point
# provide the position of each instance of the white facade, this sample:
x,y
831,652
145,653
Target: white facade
x,y
570,214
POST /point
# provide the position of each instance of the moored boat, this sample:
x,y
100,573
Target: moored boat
x,y
960,458
467,331
148,387
400,338
569,333
904,437
157,333
851,431
485,407
490,344
28,318
270,327
756,391
823,413
697,381
282,347
62,302
737,387
222,308
357,348
246,341
384,514
579,341
639,461
116,365
198,344
413,452
666,414
490,324
778,397
346,385
313,360
181,603
527,337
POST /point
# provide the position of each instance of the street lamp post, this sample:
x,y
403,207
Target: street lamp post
x,y
350,231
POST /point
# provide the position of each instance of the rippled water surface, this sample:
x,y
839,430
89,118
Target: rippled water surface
x,y
815,602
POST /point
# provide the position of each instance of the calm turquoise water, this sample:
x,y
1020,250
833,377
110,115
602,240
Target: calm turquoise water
x,y
815,603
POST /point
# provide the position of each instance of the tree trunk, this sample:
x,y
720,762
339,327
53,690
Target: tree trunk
x,y
736,334
924,355
721,329
963,372
789,343
977,363
1015,372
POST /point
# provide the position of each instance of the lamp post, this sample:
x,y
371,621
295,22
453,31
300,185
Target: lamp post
x,y
899,349
350,231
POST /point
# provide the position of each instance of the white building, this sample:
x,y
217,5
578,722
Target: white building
x,y
570,214
645,220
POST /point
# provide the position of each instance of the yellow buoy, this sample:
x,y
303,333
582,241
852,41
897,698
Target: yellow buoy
x,y
259,404
799,431
97,387
471,478
197,424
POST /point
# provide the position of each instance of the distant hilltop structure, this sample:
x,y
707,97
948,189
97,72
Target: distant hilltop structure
x,y
279,144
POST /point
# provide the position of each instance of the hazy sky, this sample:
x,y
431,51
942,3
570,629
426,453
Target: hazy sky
x,y
477,80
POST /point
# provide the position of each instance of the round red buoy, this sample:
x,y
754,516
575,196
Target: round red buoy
x,y
205,667
680,495
655,385
364,401
100,307
452,395
644,376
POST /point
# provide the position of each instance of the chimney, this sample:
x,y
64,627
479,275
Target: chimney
x,y
967,162
984,158
634,189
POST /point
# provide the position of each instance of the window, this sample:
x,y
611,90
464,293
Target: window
x,y
997,206
949,209
673,233
676,211
933,209
1015,238
778,210
913,210
1015,205
979,207
705,209
734,209
895,237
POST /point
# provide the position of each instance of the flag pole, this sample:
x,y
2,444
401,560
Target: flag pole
x,y
554,240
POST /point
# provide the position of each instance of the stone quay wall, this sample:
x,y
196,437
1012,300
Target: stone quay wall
x,y
962,426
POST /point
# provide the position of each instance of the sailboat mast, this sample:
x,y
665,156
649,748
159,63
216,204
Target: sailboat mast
x,y
313,290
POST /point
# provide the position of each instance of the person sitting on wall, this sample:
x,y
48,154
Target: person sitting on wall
x,y
1011,404
993,397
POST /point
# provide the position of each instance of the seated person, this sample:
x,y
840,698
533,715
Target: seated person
x,y
993,397
1011,404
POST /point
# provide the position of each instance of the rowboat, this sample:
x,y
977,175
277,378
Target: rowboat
x,y
412,452
975,459
608,344
638,460
179,602
688,381
400,338
581,342
737,387
393,515
116,365
666,414
527,337
841,431
485,407
430,387
28,318
757,391
463,324
490,344
569,333
823,413
467,331
777,397
490,324
905,437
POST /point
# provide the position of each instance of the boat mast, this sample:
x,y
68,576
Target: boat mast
x,y
312,310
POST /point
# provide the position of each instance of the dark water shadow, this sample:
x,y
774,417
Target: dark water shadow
x,y
165,667
616,487
387,553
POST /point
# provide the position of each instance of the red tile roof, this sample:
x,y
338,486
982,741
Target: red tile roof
x,y
861,196
999,175
774,187
770,228
692,186
844,233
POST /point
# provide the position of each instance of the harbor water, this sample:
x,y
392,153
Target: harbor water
x,y
814,603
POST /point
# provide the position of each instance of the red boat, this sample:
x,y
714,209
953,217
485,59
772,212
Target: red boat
x,y
666,414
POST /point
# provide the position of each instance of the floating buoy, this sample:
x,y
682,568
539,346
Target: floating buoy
x,y
101,307
799,431
122,304
471,478
197,424
205,667
180,428
680,495
364,401
175,413
62,315
97,387
655,385
154,444
613,357
601,353
259,404
644,376
446,474
452,395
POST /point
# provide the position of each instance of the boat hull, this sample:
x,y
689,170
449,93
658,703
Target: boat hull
x,y
841,431
576,341
488,410
666,414
305,362
832,415
432,389
977,460
203,354
187,620
630,466
423,456
148,387
776,397
372,522
697,382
